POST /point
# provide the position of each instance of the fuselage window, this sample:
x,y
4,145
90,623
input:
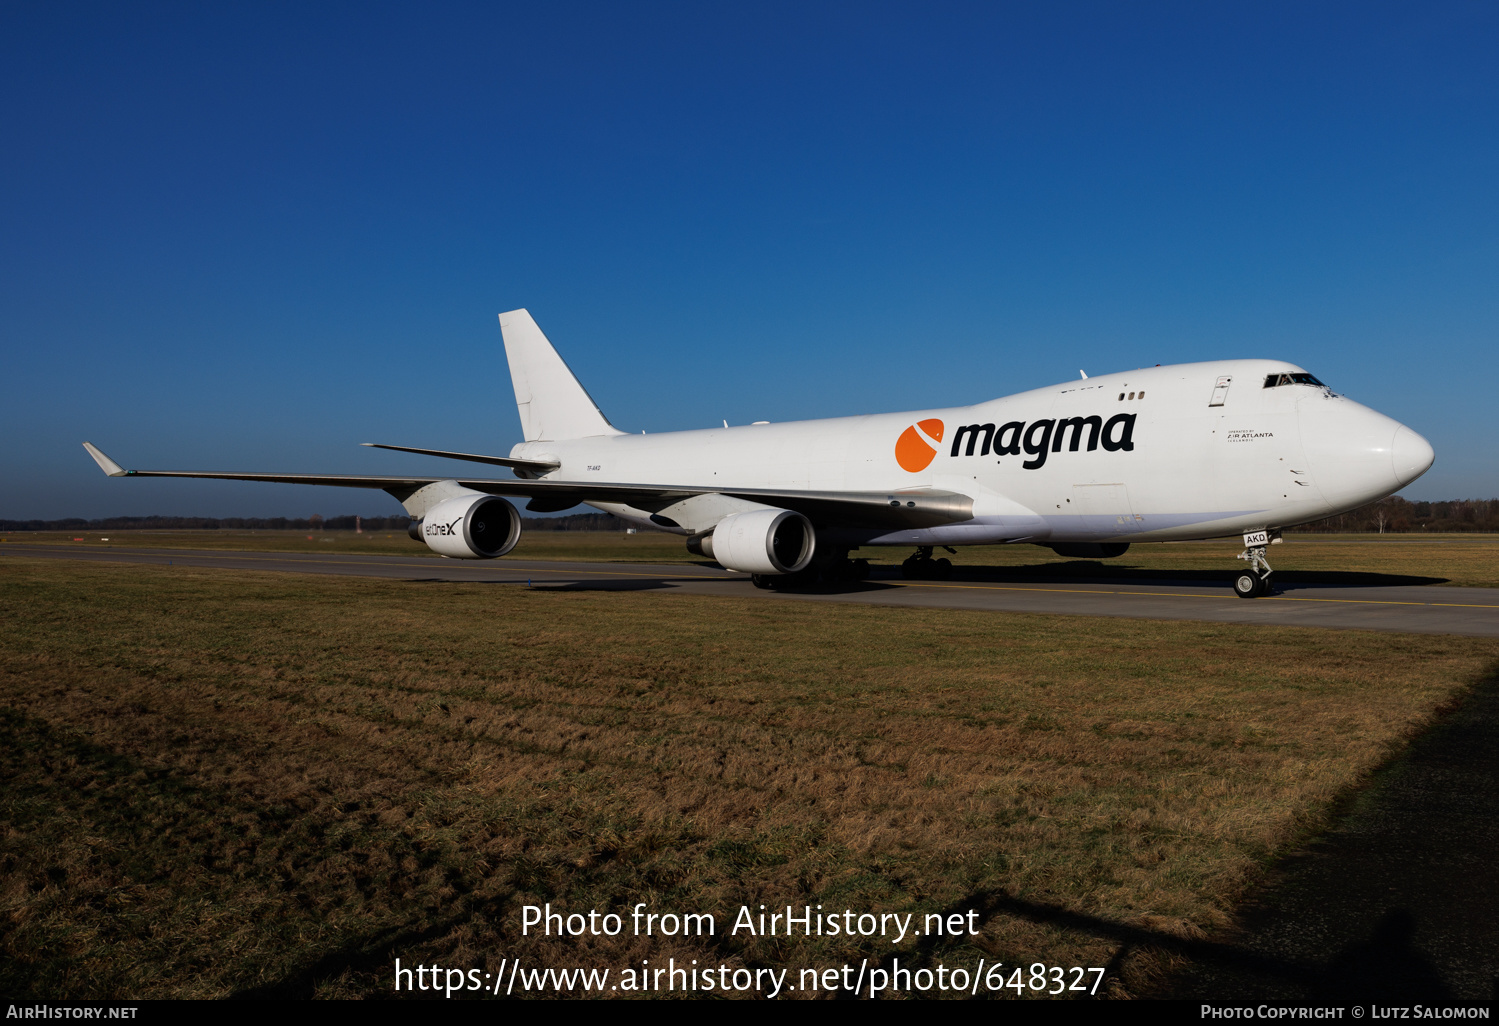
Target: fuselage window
x,y
1131,395
1140,396
1121,397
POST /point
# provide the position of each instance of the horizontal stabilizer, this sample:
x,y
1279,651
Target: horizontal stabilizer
x,y
535,466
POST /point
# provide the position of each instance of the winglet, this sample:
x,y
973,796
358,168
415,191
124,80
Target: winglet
x,y
106,464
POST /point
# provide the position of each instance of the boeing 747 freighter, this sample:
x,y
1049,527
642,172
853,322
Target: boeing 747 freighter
x,y
1191,451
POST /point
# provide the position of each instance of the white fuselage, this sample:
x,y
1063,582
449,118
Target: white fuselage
x,y
1182,455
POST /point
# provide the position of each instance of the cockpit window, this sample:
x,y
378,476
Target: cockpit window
x,y
1274,380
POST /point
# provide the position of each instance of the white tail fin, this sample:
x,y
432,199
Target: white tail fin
x,y
553,405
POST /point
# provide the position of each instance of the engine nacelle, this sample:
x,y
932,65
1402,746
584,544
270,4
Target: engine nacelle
x,y
471,527
763,541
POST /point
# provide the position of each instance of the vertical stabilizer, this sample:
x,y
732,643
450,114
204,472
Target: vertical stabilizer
x,y
552,405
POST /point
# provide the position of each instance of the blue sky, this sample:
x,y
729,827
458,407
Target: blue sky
x,y
250,237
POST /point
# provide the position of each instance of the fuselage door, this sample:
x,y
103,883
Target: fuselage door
x,y
1220,391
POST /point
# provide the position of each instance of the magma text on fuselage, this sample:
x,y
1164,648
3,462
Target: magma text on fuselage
x,y
1042,437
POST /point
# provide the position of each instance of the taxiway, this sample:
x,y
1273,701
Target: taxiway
x,y
1429,609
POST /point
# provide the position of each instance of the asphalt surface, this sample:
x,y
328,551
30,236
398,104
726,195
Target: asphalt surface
x,y
1421,609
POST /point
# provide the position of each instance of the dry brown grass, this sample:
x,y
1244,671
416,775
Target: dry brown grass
x,y
222,781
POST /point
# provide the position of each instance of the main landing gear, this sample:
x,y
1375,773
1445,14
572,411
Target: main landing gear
x,y
922,567
1254,580
835,571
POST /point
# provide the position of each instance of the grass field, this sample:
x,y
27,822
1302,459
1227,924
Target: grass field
x,y
1469,560
224,783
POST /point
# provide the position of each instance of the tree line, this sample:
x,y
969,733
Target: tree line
x,y
1401,516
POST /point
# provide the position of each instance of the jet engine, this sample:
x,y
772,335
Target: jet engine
x,y
762,541
471,527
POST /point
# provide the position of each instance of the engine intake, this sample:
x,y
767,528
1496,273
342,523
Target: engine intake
x,y
471,527
763,541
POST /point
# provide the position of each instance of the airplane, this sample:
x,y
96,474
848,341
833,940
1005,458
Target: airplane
x,y
1085,468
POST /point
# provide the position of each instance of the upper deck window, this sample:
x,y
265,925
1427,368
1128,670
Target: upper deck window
x,y
1272,380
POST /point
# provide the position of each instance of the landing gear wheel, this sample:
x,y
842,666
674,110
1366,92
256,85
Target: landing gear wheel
x,y
1254,581
766,581
1248,585
922,567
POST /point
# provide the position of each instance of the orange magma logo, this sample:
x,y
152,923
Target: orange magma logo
x,y
917,445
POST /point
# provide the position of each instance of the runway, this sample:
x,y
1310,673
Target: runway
x,y
1431,609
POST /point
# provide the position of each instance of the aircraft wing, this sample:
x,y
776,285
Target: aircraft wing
x,y
904,508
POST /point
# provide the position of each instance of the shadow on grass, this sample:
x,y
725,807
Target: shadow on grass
x,y
1396,902
150,829
375,954
1386,966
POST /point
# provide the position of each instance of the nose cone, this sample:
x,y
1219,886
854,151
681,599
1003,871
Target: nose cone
x,y
1413,455
1353,452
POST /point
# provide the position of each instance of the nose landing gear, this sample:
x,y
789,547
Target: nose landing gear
x,y
1254,580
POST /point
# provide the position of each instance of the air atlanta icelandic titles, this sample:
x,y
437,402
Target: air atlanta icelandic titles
x,y
805,921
